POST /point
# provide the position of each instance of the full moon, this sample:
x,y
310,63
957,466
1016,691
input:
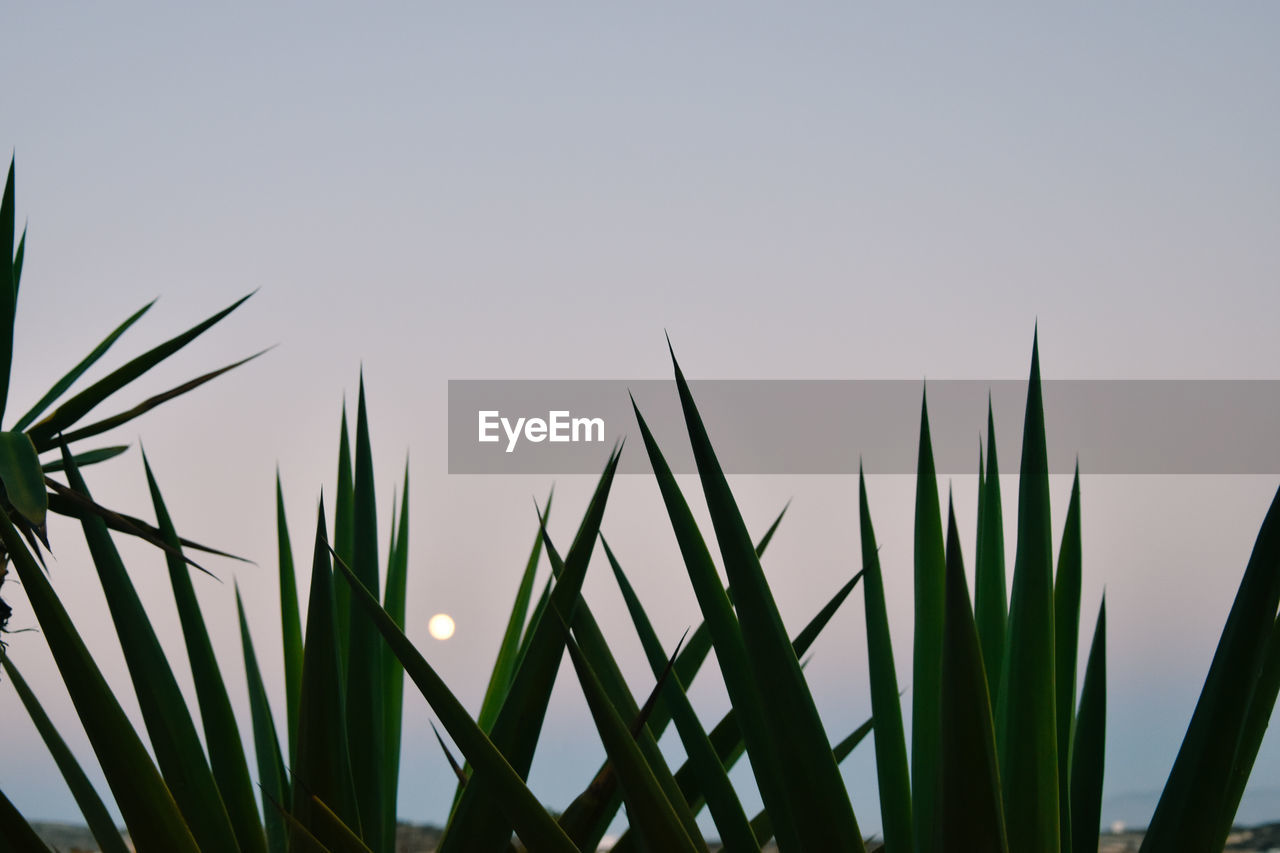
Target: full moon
x,y
441,626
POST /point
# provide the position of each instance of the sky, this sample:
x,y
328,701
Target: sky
x,y
429,192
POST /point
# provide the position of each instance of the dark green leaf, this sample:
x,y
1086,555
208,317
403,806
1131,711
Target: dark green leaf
x,y
69,413
1088,745
91,806
990,594
221,732
322,767
272,776
1027,730
532,822
478,824
143,799
366,717
890,741
172,732
1201,773
290,622
930,601
22,477
969,803
1066,622
60,387
89,457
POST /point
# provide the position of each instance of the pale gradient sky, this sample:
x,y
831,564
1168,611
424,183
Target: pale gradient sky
x,y
464,192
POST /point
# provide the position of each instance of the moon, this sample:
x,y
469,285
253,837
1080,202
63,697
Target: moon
x,y
441,626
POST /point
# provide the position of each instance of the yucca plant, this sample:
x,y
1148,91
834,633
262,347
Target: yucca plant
x,y
27,493
1003,756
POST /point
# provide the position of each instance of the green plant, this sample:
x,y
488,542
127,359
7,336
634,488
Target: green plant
x,y
1003,756
56,420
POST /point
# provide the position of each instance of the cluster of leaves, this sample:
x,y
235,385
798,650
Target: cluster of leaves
x,y
56,420
1004,755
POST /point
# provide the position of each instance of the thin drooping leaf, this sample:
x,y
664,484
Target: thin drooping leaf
x,y
1202,771
760,738
713,782
1255,726
1088,744
647,805
169,725
95,813
15,833
60,387
322,767
8,287
121,418
344,537
73,504
990,593
890,741
89,457
926,680
22,477
221,732
273,779
532,822
394,603
478,824
1066,626
70,412
970,811
366,718
143,799
290,622
1026,722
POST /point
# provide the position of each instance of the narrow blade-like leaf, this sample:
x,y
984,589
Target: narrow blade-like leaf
x,y
70,412
990,593
221,732
172,732
60,387
394,603
478,824
969,804
1088,745
144,801
290,622
273,779
886,708
1066,626
926,680
532,822
1027,729
95,813
1201,773
322,767
726,810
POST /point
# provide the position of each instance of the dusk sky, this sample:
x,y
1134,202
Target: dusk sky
x,y
435,192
